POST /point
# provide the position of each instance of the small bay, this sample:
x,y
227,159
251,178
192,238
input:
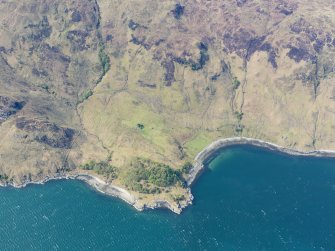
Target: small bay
x,y
247,199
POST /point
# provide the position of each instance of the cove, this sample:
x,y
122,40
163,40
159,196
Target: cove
x,y
248,198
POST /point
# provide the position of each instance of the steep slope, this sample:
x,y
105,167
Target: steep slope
x,y
49,57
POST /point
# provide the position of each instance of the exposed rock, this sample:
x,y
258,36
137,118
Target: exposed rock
x,y
76,16
133,25
9,107
195,64
318,45
169,72
238,42
47,133
299,54
178,11
40,31
78,39
240,3
148,85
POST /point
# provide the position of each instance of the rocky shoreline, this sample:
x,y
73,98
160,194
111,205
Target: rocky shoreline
x,y
115,191
111,190
198,166
210,151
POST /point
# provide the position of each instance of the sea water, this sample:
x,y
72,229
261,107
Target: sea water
x,y
247,199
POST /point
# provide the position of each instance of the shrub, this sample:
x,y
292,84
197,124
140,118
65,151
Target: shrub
x,y
236,83
140,126
178,197
239,115
85,95
239,128
4,177
104,60
45,87
186,167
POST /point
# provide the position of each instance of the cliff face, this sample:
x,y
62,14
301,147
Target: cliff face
x,y
112,80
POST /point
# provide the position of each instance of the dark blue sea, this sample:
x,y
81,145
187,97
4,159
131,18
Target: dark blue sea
x,y
247,199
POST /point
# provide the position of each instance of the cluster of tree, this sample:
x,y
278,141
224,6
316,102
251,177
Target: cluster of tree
x,y
147,176
4,177
104,59
140,126
102,168
239,115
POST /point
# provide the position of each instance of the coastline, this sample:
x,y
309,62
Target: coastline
x,y
198,167
110,190
214,147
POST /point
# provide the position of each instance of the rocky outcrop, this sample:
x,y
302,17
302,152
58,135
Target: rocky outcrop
x,y
47,133
9,107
